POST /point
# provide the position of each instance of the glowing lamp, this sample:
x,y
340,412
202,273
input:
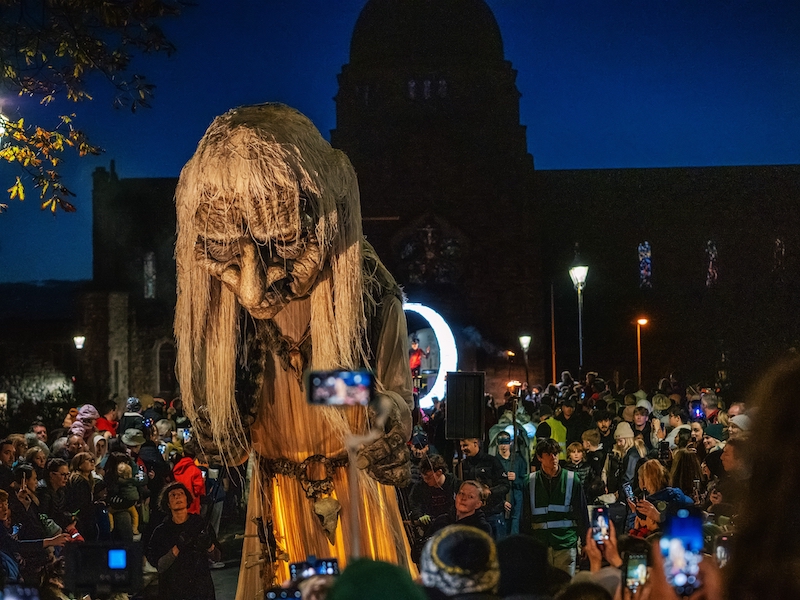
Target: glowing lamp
x,y
448,353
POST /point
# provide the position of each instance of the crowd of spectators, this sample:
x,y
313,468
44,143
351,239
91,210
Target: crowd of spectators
x,y
100,476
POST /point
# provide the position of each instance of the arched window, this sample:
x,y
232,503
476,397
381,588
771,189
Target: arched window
x,y
426,89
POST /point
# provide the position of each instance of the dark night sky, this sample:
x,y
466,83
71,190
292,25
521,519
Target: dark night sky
x,y
605,84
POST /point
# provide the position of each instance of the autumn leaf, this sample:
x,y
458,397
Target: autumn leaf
x,y
17,190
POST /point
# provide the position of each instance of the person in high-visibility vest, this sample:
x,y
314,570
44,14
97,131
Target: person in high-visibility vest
x,y
555,507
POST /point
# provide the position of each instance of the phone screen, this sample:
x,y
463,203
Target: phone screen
x,y
599,523
722,549
636,571
301,570
663,451
340,388
682,547
628,492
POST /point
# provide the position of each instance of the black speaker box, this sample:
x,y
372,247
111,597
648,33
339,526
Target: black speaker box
x,y
465,406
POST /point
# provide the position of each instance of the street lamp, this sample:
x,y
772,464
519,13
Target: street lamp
x,y
578,273
525,343
639,324
79,341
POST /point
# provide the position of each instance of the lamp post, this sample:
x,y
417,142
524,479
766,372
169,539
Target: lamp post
x,y
525,343
639,324
578,273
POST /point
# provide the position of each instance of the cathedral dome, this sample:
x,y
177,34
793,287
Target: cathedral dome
x,y
422,32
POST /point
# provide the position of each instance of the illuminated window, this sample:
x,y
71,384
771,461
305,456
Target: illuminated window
x,y
412,89
645,266
426,89
712,268
150,275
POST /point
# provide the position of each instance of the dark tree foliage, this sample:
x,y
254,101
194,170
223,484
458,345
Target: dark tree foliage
x,y
50,49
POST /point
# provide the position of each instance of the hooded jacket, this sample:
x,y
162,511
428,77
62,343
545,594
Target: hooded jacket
x,y
192,477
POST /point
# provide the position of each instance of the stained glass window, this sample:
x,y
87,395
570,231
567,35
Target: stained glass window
x,y
645,266
712,267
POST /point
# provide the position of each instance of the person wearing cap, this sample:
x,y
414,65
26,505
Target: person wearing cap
x,y
738,426
515,469
415,356
132,417
714,437
604,421
555,510
552,428
460,562
620,467
574,420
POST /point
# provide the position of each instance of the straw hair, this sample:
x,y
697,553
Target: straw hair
x,y
257,171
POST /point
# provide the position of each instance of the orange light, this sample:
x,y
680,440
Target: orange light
x,y
512,384
510,353
642,321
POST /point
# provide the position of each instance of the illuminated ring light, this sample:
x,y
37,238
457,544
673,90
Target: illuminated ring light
x,y
448,354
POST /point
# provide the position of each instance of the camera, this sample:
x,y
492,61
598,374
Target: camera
x,y
103,568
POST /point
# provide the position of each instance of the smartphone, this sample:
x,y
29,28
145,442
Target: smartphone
x,y
313,566
663,451
340,388
682,549
301,570
635,570
598,516
162,448
722,548
628,489
279,592
185,434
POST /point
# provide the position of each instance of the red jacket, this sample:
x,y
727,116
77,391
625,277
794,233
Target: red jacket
x,y
189,475
104,424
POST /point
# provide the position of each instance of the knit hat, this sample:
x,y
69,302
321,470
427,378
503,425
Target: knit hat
x,y
460,560
623,430
743,422
133,405
87,412
78,428
374,580
716,431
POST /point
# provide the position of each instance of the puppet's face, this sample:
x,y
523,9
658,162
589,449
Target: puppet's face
x,y
263,250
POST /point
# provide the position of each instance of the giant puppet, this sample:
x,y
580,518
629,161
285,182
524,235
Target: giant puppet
x,y
275,278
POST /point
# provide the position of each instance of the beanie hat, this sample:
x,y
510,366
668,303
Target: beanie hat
x,y
78,428
374,580
460,560
623,430
87,412
716,431
133,405
742,422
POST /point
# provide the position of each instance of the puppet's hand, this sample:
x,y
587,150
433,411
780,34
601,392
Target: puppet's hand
x,y
231,451
387,459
